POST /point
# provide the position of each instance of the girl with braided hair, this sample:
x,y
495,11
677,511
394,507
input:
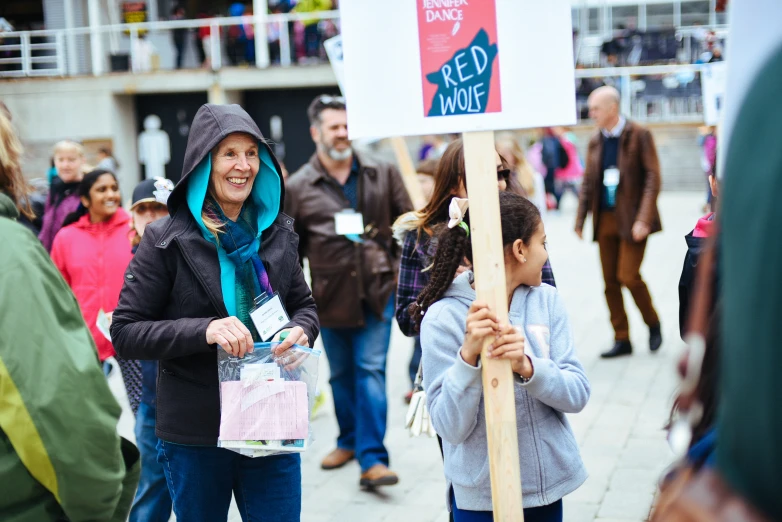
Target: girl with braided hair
x,y
549,379
414,230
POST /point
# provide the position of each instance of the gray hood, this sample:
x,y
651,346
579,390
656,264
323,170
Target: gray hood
x,y
212,124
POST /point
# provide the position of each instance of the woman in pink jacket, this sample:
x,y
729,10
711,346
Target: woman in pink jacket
x,y
91,251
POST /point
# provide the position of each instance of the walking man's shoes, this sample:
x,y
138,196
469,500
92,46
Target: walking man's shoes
x,y
655,338
378,475
620,348
337,458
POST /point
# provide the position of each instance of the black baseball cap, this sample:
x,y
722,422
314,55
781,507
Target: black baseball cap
x,y
154,190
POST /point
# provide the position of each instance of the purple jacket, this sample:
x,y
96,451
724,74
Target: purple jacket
x,y
53,217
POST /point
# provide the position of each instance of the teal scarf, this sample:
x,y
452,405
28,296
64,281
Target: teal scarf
x,y
242,246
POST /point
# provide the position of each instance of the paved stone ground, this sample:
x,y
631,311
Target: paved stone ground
x,y
622,443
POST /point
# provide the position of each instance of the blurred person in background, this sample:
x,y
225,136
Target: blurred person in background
x,y
709,161
621,190
274,30
60,454
179,36
249,37
425,173
236,39
106,160
570,173
432,147
312,38
205,38
52,172
63,194
91,251
12,182
153,500
200,33
354,273
554,157
524,180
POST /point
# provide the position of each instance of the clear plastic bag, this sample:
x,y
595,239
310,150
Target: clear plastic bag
x,y
266,400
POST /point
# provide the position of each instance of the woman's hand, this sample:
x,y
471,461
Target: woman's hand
x,y
290,360
481,323
295,335
231,335
510,345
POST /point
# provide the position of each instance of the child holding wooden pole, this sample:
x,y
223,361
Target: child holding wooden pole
x,y
549,380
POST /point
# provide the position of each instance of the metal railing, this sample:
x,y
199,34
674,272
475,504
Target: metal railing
x,y
52,57
664,93
588,49
61,57
649,93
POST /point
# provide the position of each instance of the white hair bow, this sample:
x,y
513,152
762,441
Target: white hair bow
x,y
456,211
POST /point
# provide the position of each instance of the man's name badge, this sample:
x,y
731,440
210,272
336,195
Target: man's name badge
x,y
269,316
611,177
349,223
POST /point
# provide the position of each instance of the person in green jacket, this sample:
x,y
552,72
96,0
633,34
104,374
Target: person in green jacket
x,y
749,425
312,36
61,458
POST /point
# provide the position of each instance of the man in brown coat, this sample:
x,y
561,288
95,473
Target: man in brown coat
x,y
621,184
344,204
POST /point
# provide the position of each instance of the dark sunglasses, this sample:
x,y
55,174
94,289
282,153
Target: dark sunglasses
x,y
503,174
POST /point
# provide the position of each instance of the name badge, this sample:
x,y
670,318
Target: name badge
x,y
611,177
269,316
349,223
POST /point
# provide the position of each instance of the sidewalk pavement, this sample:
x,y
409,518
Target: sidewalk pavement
x,y
620,431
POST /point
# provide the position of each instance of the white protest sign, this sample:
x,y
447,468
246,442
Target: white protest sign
x,y
713,82
333,48
416,67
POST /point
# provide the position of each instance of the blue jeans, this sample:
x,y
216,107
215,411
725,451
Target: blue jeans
x,y
153,501
357,358
202,478
550,513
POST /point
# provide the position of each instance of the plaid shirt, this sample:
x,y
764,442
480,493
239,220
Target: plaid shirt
x,y
416,256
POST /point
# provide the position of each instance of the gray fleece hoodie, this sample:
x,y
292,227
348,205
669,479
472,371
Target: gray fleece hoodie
x,y
551,465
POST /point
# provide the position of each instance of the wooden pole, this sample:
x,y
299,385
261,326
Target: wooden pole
x,y
489,267
408,171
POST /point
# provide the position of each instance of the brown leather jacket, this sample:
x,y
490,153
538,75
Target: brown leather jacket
x,y
344,273
639,182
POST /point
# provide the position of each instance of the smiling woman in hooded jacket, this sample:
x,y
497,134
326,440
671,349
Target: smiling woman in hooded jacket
x,y
188,293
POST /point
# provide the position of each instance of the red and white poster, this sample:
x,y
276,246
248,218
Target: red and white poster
x,y
416,67
459,57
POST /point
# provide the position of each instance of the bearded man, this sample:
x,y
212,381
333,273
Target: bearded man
x,y
343,205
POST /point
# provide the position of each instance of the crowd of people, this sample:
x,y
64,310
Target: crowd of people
x,y
306,36
173,289
162,286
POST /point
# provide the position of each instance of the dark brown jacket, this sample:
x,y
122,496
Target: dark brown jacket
x,y
346,274
639,182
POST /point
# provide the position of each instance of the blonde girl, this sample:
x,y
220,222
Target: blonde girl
x,y
63,199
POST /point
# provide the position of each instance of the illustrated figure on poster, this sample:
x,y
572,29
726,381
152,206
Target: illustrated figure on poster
x,y
463,81
459,59
154,148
